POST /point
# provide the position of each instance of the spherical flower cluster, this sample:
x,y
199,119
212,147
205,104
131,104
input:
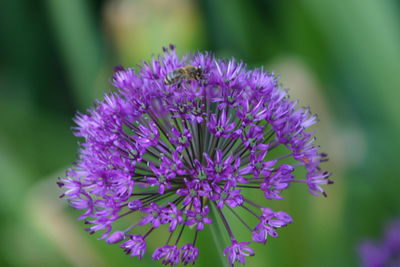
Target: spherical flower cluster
x,y
384,253
181,153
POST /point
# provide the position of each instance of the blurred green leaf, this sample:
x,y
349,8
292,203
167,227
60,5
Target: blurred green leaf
x,y
80,44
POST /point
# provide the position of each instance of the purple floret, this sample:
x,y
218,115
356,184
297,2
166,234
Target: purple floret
x,y
189,254
237,252
135,246
385,252
169,156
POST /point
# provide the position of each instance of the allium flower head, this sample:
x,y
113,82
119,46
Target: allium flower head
x,y
180,151
383,253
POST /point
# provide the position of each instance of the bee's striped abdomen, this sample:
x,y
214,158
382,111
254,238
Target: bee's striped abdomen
x,y
185,73
173,77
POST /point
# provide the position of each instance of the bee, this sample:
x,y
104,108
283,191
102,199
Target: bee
x,y
188,72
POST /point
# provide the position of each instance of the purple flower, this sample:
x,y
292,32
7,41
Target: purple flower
x,y
162,151
232,198
238,251
383,253
162,178
180,139
251,112
269,222
275,182
392,237
189,254
218,169
222,127
173,216
372,256
198,218
154,215
168,254
135,246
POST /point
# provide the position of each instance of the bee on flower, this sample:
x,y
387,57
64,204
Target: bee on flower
x,y
181,153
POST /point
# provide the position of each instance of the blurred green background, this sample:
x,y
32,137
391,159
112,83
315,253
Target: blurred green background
x,y
341,57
